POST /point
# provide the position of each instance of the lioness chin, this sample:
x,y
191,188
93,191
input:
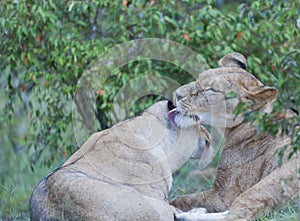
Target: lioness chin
x,y
122,173
249,181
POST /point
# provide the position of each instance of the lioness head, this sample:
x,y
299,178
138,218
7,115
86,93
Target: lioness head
x,y
212,98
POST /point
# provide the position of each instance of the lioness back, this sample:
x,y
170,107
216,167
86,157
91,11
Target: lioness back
x,y
123,173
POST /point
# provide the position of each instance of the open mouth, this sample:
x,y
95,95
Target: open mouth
x,y
172,113
182,119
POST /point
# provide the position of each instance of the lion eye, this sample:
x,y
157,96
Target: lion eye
x,y
207,143
171,106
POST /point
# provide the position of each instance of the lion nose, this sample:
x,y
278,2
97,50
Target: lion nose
x,y
178,96
184,91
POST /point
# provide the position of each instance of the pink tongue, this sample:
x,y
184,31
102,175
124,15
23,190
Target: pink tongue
x,y
172,114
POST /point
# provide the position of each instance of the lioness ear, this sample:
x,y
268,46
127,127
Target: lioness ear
x,y
233,59
262,96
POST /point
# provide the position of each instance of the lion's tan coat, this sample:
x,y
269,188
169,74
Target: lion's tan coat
x,y
249,181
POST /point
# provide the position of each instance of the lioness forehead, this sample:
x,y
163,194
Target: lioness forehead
x,y
228,77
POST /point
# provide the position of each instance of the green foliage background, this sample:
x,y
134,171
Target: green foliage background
x,y
46,45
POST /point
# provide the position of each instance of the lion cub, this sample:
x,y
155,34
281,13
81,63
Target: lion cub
x,y
122,173
248,181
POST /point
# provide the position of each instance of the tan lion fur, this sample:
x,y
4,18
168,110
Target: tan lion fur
x,y
249,181
122,173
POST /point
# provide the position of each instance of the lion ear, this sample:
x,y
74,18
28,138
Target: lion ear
x,y
262,96
233,59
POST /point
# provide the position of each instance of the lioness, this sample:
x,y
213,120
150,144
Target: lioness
x,y
122,173
248,181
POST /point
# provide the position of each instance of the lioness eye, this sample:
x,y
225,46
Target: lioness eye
x,y
170,105
207,143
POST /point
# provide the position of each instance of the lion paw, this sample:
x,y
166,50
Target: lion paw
x,y
200,214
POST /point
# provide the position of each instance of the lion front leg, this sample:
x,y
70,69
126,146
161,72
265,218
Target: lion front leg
x,y
274,190
200,214
208,199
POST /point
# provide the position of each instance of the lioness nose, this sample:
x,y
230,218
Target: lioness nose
x,y
178,96
184,90
181,92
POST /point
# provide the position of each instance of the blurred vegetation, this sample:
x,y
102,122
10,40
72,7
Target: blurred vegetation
x,y
288,213
46,45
